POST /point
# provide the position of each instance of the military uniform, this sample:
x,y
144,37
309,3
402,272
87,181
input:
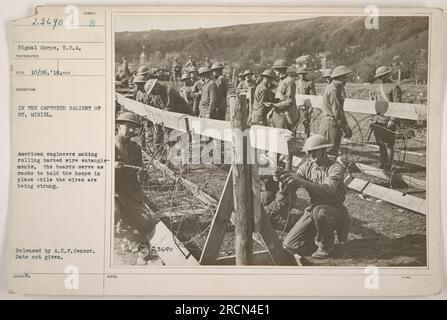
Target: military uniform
x,y
222,88
129,201
209,100
285,114
334,118
186,93
305,87
326,212
258,114
197,94
384,127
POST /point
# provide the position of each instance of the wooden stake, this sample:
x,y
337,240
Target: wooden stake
x,y
242,192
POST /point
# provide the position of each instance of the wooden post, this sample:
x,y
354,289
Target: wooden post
x,y
242,192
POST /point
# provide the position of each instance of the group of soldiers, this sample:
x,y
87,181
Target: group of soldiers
x,y
273,103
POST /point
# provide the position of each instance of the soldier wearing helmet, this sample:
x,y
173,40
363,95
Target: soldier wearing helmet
x,y
196,89
209,100
305,86
207,63
176,70
262,100
130,211
190,63
323,179
334,122
384,128
186,89
222,89
139,94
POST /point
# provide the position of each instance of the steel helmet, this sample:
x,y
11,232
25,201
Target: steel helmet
x,y
247,72
316,142
184,76
268,73
291,70
193,69
301,70
204,70
217,65
143,70
327,73
280,64
340,71
383,70
150,84
139,79
128,117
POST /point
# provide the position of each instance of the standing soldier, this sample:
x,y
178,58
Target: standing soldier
x,y
304,86
384,128
207,63
190,63
326,75
247,83
209,100
334,120
323,179
263,99
196,89
139,94
186,89
285,113
126,67
130,209
176,70
222,88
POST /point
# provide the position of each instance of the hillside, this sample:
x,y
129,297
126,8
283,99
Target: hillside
x,y
342,40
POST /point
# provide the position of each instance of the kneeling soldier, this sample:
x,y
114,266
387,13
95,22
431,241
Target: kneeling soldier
x,y
323,180
130,208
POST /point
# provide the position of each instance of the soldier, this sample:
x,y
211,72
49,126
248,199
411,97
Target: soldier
x,y
186,89
222,88
285,113
130,211
209,101
323,179
139,94
334,122
126,67
326,75
176,70
263,100
170,98
304,86
384,128
196,89
190,63
207,63
240,78
247,83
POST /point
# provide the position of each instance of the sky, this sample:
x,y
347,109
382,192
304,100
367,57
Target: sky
x,y
191,21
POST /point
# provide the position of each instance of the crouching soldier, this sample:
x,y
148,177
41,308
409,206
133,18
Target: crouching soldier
x,y
384,128
130,210
323,180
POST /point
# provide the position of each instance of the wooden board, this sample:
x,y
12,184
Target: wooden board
x,y
398,110
214,239
164,238
395,197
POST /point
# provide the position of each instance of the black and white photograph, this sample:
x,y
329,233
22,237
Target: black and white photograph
x,y
339,177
